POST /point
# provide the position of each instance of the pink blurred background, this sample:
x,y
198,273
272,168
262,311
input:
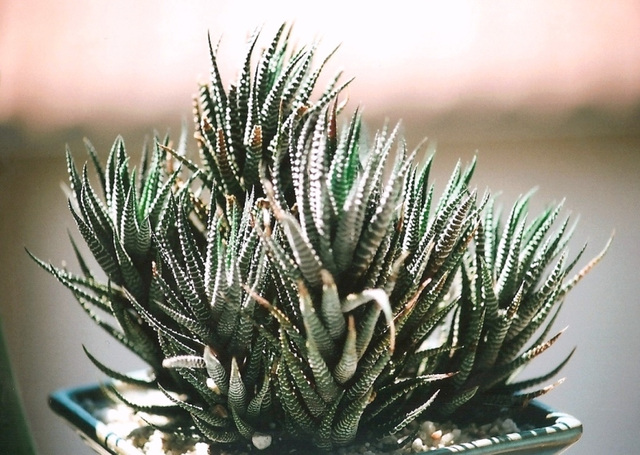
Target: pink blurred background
x,y
546,93
78,62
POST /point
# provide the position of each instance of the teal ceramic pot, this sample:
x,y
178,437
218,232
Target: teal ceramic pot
x,y
552,432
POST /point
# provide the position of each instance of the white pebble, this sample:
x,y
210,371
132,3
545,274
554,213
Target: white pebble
x,y
428,427
261,441
509,426
417,445
446,439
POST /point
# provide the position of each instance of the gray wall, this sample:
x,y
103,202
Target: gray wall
x,y
596,166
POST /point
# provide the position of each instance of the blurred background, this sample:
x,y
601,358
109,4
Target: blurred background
x,y
546,93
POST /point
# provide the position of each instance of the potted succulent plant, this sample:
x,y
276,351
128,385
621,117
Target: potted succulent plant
x,y
295,285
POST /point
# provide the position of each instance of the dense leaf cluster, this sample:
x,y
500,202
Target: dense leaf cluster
x,y
297,281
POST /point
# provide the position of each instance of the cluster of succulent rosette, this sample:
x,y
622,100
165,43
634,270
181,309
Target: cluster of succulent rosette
x,y
296,280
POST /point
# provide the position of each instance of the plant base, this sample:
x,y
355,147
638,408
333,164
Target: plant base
x,y
85,409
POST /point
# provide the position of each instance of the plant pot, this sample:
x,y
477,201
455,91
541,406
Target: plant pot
x,y
552,433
